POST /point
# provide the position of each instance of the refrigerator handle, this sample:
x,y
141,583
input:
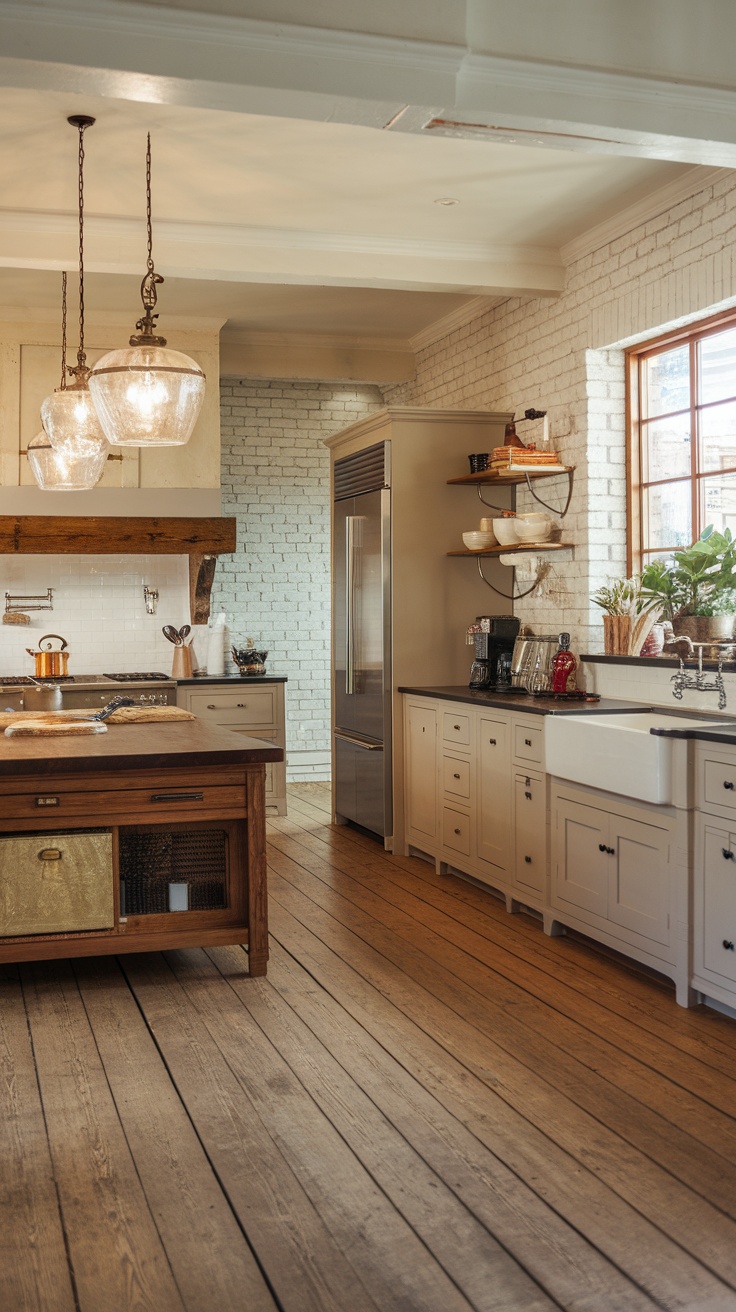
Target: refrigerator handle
x,y
350,561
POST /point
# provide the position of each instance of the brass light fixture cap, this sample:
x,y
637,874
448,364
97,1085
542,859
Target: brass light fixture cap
x,y
81,120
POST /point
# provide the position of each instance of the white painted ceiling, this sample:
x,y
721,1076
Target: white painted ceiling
x,y
285,225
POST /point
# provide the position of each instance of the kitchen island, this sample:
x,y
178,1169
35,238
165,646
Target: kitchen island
x,y
147,837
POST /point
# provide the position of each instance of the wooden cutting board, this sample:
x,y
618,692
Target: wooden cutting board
x,y
124,715
62,729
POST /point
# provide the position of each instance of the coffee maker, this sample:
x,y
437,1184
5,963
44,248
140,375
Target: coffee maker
x,y
493,637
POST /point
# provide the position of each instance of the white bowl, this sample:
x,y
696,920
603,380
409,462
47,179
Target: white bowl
x,y
505,530
534,532
478,541
534,517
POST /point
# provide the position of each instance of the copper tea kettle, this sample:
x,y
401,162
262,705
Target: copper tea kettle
x,y
50,661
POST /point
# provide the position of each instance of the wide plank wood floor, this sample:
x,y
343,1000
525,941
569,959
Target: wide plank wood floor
x,y
426,1106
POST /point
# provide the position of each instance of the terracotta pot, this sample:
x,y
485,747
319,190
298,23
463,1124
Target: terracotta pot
x,y
616,635
704,628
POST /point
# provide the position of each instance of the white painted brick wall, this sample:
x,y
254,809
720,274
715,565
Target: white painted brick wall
x,y
565,356
276,588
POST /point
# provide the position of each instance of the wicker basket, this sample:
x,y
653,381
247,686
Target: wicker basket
x,y
152,860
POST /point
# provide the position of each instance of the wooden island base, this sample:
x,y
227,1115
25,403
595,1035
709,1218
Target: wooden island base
x,y
139,840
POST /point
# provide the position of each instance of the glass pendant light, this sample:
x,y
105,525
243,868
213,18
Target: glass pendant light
x,y
147,395
68,415
78,464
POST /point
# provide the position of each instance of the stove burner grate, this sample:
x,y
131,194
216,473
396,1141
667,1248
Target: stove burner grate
x,y
25,681
137,677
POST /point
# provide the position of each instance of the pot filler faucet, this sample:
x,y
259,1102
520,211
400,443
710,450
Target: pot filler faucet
x,y
698,681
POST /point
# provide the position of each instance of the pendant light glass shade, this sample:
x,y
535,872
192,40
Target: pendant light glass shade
x,y
70,420
62,470
147,395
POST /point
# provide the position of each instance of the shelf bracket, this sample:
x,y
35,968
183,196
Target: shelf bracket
x,y
491,505
508,596
560,513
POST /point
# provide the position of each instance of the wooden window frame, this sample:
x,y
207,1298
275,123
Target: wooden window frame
x,y
690,334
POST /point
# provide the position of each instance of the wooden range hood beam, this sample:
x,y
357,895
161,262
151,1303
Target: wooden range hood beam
x,y
202,540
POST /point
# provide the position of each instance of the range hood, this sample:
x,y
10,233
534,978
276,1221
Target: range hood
x,y
202,540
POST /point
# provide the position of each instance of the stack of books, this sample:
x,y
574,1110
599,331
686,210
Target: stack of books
x,y
515,459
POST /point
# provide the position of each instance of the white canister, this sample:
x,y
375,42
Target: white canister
x,y
216,638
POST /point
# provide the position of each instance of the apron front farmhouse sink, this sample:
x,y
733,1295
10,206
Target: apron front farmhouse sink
x,y
618,753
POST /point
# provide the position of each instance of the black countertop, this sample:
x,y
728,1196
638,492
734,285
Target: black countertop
x,y
234,678
726,734
523,701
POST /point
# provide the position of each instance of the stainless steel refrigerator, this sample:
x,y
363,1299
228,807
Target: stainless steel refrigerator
x,y
362,638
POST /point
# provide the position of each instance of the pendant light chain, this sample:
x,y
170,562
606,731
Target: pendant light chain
x,y
149,223
62,387
81,355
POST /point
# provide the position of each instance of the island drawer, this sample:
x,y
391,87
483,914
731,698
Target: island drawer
x,y
164,801
251,706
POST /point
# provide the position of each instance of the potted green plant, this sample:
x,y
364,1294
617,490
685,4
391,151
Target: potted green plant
x,y
628,615
695,588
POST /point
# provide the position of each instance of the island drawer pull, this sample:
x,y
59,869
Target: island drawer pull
x,y
47,801
177,797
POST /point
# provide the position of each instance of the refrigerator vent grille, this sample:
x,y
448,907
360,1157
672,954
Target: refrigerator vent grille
x,y
366,471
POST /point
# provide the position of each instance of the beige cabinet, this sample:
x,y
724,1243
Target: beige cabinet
x,y
471,803
255,709
421,773
619,873
714,874
494,790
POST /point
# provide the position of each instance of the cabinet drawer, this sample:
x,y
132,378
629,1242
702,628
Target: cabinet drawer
x,y
528,744
456,830
456,728
190,800
56,883
719,783
245,707
456,777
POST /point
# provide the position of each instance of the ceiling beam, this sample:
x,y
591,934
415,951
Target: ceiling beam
x,y
157,54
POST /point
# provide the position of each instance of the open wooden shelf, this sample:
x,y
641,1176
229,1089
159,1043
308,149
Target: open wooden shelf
x,y
519,549
493,476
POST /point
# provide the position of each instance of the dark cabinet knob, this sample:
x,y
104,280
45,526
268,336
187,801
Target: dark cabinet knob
x,y
728,784
727,854
728,945
528,860
528,797
492,741
611,851
602,847
456,726
457,831
527,742
456,775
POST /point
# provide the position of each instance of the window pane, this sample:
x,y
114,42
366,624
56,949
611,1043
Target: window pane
x,y
667,516
718,437
666,448
718,502
667,382
717,364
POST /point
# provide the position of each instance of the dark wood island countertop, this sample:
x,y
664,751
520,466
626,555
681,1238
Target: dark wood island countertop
x,y
186,744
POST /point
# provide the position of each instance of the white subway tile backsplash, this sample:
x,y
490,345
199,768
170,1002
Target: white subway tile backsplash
x,y
98,607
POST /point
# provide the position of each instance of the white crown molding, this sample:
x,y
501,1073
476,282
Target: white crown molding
x,y
649,207
464,314
314,341
119,319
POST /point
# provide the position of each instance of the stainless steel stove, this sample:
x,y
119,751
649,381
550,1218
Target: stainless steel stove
x,y
83,691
